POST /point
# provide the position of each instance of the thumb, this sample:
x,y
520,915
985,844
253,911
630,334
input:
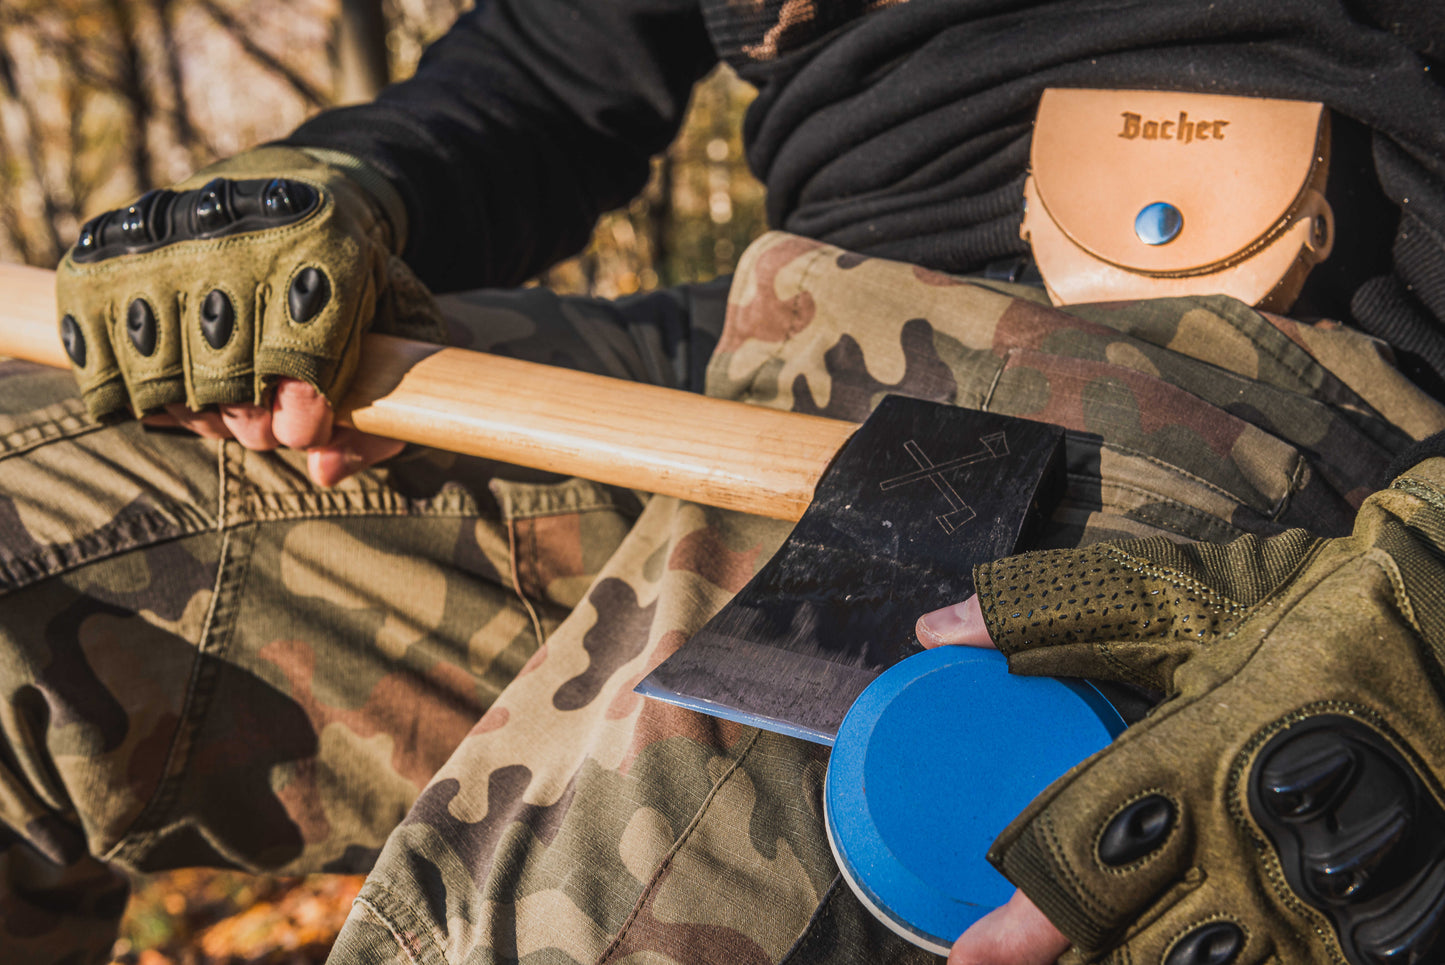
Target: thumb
x,y
961,623
1016,933
348,452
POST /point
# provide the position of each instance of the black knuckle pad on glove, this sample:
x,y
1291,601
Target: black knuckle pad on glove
x,y
220,336
220,208
1358,835
1091,858
84,332
1214,943
150,353
218,318
140,325
307,295
209,211
1137,831
73,339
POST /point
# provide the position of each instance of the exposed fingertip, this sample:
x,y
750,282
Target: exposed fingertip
x,y
296,389
959,623
250,425
300,416
207,424
329,466
351,452
1016,933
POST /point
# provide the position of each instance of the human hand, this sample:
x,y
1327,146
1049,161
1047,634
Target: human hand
x,y
269,265
1282,803
296,416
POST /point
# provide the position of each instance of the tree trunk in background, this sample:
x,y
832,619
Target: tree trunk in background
x,y
360,55
132,87
185,132
659,223
20,149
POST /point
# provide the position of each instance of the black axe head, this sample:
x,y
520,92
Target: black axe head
x,y
916,498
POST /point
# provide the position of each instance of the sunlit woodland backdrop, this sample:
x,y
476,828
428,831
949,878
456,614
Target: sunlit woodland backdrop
x,y
102,99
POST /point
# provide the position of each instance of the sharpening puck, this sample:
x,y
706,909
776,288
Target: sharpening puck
x,y
935,758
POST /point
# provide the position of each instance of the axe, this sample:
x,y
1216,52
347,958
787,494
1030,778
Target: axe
x,y
891,516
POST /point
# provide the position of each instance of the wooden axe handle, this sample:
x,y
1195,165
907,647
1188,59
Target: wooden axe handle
x,y
712,451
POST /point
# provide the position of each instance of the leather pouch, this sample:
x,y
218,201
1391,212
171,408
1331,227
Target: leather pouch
x,y
1150,194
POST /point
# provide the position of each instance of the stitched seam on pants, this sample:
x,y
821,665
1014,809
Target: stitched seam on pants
x,y
1299,361
1293,473
34,437
231,577
119,537
514,564
1197,479
242,499
410,948
1208,525
272,506
677,846
819,918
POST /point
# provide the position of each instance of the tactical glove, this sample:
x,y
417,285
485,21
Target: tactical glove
x,y
1283,802
270,264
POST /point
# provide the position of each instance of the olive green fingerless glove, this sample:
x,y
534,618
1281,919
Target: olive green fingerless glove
x,y
1283,802
270,264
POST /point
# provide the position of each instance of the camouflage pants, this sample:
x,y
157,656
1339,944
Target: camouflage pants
x,y
206,661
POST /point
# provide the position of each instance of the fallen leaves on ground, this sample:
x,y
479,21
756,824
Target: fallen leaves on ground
x,y
198,916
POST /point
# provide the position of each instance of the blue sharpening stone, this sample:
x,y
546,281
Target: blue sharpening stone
x,y
935,758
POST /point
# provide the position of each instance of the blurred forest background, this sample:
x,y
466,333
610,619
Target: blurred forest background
x,y
102,99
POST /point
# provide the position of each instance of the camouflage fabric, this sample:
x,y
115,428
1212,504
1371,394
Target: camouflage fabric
x,y
578,823
208,661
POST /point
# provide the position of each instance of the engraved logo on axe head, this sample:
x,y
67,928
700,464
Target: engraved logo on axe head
x,y
959,513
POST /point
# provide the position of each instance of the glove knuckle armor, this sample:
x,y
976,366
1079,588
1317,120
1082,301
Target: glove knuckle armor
x,y
1358,836
140,325
73,339
275,218
1300,738
307,295
218,319
1213,943
1137,830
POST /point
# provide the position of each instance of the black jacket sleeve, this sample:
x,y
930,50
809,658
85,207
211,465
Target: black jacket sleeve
x,y
521,125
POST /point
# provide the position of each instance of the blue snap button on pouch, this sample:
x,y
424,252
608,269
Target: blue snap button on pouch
x,y
932,761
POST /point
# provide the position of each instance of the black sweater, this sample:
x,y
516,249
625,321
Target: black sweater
x,y
898,127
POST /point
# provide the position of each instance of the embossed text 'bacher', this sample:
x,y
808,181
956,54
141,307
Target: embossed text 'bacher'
x,y
1183,130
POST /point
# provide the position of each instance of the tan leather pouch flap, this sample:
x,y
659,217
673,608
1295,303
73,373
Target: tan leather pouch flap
x,y
1239,173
